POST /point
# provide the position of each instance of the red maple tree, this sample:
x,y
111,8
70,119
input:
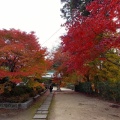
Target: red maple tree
x,y
90,37
20,54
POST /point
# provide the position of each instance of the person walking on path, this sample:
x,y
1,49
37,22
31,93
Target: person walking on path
x,y
51,88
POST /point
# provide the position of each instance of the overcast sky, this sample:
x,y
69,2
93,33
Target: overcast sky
x,y
40,16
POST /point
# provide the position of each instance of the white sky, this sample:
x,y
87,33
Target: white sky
x,y
40,16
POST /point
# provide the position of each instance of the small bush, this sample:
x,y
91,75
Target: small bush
x,y
19,90
109,90
33,93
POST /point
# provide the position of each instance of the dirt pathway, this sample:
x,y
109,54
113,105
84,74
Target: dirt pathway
x,y
69,105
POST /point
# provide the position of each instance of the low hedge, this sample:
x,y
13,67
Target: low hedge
x,y
19,94
14,99
107,90
17,91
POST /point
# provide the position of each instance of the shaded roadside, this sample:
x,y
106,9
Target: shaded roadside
x,y
70,105
25,114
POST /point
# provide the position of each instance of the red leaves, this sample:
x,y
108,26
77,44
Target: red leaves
x,y
20,54
89,37
16,81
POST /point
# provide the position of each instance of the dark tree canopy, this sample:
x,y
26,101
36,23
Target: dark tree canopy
x,y
71,6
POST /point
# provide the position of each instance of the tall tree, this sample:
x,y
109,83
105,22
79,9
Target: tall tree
x,y
20,54
90,37
59,66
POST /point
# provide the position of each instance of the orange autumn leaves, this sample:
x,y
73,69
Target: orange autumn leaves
x,y
20,54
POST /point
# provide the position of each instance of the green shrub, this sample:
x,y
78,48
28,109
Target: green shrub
x,y
106,89
39,89
87,87
33,93
79,87
18,99
19,90
19,94
109,90
15,99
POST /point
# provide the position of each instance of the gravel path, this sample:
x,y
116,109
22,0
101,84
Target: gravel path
x,y
69,105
